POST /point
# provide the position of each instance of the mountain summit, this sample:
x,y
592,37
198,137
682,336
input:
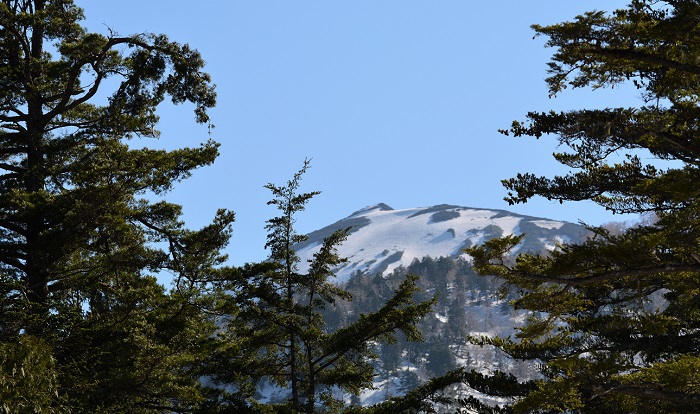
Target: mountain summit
x,y
382,238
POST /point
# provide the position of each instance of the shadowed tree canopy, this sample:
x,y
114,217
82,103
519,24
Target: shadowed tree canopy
x,y
616,320
280,337
80,238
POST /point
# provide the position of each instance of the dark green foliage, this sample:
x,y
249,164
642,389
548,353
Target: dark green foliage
x,y
80,242
28,378
457,323
276,321
440,359
408,381
459,288
422,399
615,319
390,355
431,396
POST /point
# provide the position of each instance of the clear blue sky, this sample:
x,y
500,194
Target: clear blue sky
x,y
396,101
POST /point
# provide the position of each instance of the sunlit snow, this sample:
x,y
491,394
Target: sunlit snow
x,y
394,238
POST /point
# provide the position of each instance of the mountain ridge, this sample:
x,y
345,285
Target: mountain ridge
x,y
382,238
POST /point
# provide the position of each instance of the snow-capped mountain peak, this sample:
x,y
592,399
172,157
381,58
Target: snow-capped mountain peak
x,y
382,238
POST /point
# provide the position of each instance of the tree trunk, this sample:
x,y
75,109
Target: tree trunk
x,y
35,267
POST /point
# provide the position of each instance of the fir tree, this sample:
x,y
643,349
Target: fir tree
x,y
279,306
440,358
616,319
80,240
27,376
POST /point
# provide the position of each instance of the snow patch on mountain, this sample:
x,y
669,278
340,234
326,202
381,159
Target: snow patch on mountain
x,y
548,224
382,238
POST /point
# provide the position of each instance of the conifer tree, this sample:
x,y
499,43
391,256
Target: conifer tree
x,y
80,240
616,319
283,339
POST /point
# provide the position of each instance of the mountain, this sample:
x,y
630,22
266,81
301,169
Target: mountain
x,y
428,242
382,239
